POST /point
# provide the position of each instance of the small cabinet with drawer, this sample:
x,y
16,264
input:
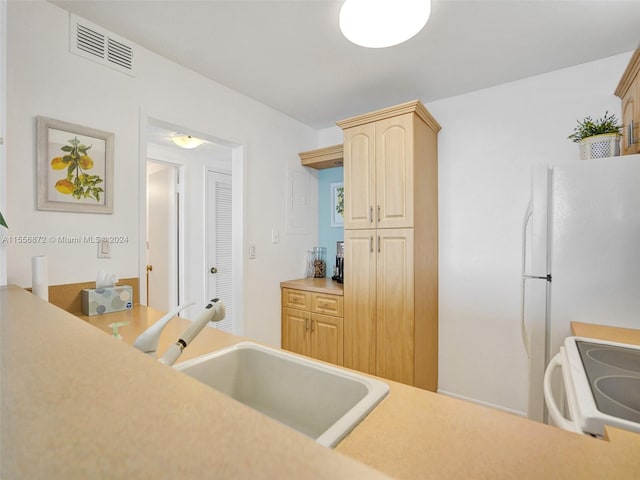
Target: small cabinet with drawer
x,y
312,320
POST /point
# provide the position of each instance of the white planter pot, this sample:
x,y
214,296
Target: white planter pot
x,y
600,146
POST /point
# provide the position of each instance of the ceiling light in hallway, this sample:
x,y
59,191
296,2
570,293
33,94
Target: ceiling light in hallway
x,y
186,141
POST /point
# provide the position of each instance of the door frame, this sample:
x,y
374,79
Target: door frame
x,y
238,180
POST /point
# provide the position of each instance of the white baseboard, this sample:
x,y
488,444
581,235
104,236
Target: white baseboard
x,y
486,404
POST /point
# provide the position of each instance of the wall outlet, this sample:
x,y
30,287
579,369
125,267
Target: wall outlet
x,y
252,251
275,235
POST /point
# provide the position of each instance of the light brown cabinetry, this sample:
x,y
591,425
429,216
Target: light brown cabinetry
x,y
379,298
391,244
326,157
378,160
629,92
312,322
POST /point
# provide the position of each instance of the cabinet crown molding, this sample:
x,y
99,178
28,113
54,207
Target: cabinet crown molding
x,y
630,73
415,106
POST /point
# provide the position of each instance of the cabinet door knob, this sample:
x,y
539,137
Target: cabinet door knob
x,y
214,270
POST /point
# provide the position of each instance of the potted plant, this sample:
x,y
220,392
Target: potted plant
x,y
2,221
598,138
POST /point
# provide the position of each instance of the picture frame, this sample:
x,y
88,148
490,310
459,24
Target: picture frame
x,y
337,204
74,167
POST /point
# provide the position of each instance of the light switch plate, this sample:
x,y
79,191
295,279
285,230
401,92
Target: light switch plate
x,y
104,248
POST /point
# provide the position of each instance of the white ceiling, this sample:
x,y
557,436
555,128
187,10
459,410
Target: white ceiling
x,y
291,56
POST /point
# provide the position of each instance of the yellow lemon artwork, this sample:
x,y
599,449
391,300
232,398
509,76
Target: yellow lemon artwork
x,y
77,161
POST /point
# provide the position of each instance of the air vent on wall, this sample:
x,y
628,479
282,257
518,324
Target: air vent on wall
x,y
95,43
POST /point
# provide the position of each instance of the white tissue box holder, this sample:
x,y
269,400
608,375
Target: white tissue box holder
x,y
96,301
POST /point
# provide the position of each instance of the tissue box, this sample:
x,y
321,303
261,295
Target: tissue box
x,y
106,300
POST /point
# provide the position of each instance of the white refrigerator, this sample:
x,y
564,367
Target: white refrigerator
x,y
580,257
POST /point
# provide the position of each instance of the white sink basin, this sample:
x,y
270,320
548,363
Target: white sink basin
x,y
320,401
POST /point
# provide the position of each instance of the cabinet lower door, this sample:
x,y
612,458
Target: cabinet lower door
x,y
296,326
395,336
360,300
327,338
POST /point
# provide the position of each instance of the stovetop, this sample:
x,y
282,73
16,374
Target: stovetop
x,y
613,373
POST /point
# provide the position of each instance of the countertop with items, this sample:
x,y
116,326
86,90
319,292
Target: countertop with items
x,y
77,403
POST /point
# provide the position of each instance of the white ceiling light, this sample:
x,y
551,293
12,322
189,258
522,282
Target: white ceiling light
x,y
383,23
186,141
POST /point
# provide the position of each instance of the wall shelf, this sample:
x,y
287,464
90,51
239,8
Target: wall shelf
x,y
327,157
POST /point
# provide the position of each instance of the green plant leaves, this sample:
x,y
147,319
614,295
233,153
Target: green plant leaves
x,y
589,127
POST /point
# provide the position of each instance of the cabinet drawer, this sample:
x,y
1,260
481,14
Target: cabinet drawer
x,y
327,304
296,299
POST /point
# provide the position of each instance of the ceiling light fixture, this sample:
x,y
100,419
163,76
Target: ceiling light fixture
x,y
383,23
186,141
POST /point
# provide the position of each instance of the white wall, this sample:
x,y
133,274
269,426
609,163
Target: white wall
x,y
45,79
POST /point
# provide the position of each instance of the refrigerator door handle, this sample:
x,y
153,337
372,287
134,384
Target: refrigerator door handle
x,y
525,225
523,328
528,214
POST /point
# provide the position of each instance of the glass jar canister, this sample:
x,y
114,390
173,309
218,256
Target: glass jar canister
x,y
309,265
319,262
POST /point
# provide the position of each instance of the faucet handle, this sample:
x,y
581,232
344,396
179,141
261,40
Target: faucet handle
x,y
213,312
147,341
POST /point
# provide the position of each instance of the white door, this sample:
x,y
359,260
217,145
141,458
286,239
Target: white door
x,y
162,236
219,244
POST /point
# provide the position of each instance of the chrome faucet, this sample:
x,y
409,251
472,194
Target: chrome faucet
x,y
148,340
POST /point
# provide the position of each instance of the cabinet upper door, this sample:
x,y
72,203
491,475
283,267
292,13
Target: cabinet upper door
x,y
631,120
394,172
359,176
636,118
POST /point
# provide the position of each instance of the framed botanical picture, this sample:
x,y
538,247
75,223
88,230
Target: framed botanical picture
x,y
75,167
337,204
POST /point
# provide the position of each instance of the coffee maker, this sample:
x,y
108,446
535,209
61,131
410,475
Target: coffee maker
x,y
338,270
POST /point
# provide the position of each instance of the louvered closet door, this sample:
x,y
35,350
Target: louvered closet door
x,y
219,264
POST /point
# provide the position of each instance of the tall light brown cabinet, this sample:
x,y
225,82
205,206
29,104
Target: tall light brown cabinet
x,y
629,92
391,244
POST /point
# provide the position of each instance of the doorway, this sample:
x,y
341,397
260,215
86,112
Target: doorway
x,y
209,215
163,236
